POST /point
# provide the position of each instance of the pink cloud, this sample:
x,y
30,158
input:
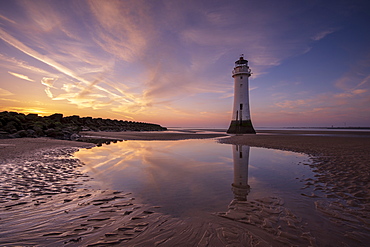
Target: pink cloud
x,y
292,103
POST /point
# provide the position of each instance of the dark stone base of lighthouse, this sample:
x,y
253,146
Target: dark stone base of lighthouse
x,y
241,127
241,192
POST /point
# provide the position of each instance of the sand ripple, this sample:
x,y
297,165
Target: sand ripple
x,y
270,215
41,174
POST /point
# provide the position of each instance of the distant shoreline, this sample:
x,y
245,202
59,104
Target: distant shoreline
x,y
367,128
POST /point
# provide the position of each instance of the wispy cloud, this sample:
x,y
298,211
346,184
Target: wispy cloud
x,y
350,94
83,84
5,93
12,63
48,82
330,108
34,54
323,34
7,19
43,17
125,27
357,75
292,103
359,91
24,77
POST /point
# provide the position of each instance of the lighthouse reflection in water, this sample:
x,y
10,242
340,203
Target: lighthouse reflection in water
x,y
240,186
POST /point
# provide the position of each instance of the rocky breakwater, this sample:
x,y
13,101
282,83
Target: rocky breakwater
x,y
17,125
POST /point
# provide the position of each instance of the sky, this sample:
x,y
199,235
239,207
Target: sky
x,y
170,62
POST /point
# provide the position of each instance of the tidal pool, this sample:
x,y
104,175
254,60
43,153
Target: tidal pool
x,y
188,177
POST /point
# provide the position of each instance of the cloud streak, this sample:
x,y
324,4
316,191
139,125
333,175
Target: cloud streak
x,y
5,93
23,77
323,34
7,19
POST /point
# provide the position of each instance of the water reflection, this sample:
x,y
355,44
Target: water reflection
x,y
191,176
240,186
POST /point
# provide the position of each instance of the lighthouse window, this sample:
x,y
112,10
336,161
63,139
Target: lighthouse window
x,y
241,77
241,106
240,155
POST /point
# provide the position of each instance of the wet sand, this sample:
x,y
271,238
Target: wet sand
x,y
44,202
134,135
25,147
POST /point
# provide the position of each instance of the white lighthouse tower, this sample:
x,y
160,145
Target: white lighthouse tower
x,y
241,120
240,186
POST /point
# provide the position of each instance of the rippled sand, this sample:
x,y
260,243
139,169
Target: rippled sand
x,y
44,202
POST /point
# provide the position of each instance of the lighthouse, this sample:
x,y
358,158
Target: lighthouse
x,y
241,120
240,186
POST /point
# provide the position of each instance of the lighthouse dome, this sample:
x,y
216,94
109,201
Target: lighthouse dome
x,y
241,61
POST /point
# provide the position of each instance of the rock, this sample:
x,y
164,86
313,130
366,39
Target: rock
x,y
17,125
74,137
31,133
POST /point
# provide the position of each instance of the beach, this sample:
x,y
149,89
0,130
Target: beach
x,y
44,201
342,172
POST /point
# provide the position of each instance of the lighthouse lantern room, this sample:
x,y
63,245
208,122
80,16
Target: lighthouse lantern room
x,y
241,121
